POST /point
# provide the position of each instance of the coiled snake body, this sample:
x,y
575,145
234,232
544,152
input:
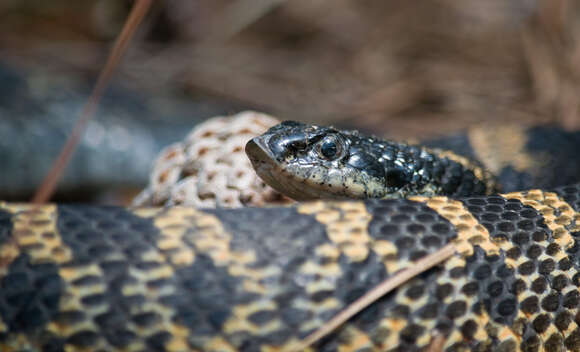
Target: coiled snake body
x,y
93,278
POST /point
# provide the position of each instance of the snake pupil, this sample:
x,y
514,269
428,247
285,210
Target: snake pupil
x,y
328,149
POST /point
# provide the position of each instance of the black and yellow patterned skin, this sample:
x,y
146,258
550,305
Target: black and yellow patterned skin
x,y
520,157
90,278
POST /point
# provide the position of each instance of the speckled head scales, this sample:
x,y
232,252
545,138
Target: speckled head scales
x,y
309,162
293,155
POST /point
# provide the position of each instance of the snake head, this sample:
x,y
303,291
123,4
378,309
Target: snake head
x,y
311,162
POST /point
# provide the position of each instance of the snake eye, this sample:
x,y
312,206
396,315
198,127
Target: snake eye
x,y
330,148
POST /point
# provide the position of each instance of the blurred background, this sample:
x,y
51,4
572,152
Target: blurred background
x,y
393,68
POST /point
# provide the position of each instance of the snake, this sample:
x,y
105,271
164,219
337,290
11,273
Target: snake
x,y
102,278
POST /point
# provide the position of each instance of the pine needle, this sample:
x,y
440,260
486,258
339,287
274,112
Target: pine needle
x,y
373,295
47,188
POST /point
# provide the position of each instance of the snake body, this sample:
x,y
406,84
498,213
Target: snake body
x,y
94,278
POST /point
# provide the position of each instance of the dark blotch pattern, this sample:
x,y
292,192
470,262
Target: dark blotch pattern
x,y
415,228
205,293
202,300
29,295
5,226
289,252
530,243
95,234
555,149
571,194
558,151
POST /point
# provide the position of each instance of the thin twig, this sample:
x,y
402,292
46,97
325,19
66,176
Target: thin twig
x,y
49,183
437,343
373,295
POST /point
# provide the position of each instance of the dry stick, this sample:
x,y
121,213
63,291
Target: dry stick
x,y
48,185
370,297
436,345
